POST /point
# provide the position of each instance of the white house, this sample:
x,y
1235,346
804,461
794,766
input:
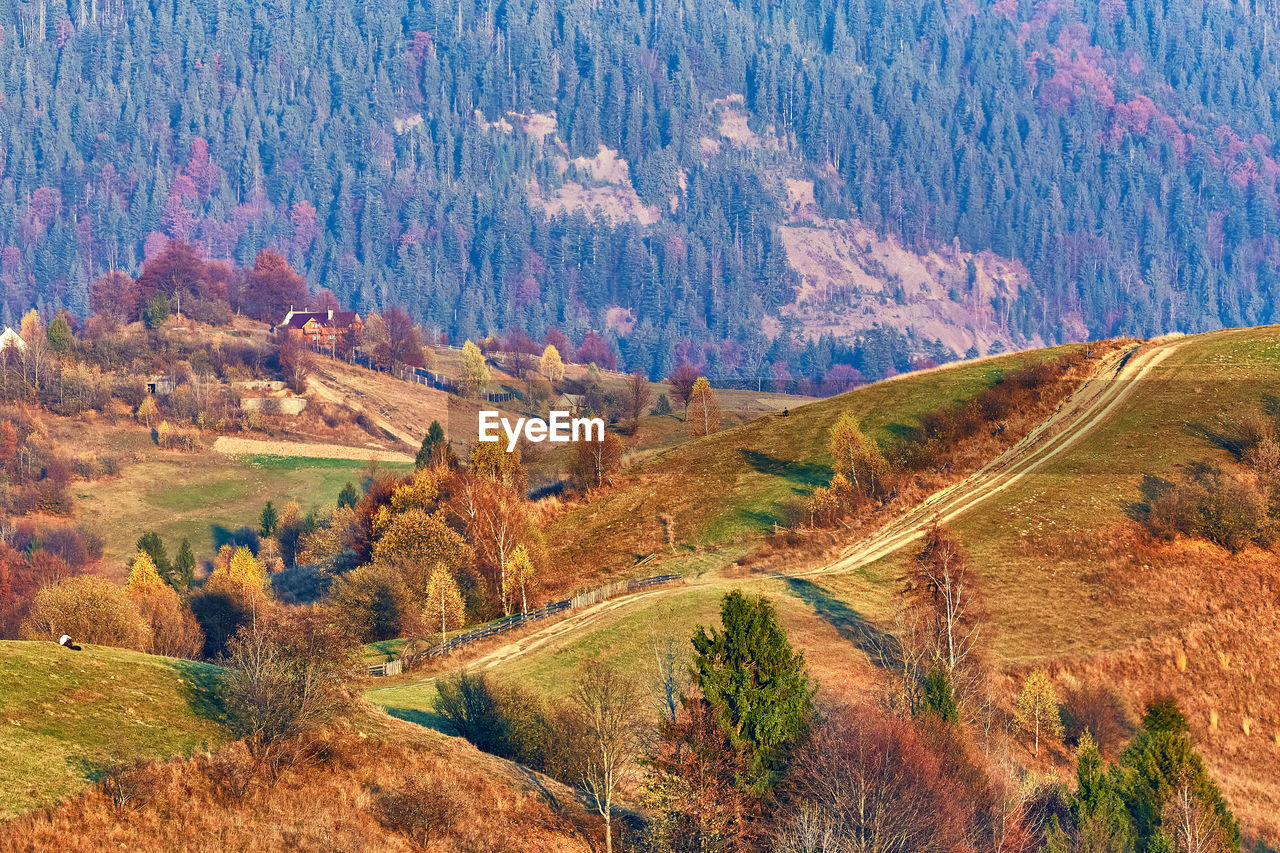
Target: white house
x,y
10,338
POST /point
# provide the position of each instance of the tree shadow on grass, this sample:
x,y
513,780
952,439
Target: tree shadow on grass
x,y
880,646
1224,435
429,719
245,536
201,685
905,433
808,474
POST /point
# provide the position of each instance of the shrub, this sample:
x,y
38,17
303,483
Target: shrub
x,y
372,603
173,628
509,722
286,676
1100,711
418,809
1226,507
92,610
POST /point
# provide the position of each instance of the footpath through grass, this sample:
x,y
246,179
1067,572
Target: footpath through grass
x,y
66,716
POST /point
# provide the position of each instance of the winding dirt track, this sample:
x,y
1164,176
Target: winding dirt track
x,y
1111,383
1114,379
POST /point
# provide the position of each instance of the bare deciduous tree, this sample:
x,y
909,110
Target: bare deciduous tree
x,y
871,784
612,725
639,394
285,677
1190,826
948,592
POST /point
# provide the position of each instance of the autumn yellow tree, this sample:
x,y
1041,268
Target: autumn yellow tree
x,y
143,573
36,356
491,461
497,521
91,609
552,365
704,409
243,574
174,631
329,541
416,541
444,607
595,462
475,370
1038,711
520,576
858,457
147,411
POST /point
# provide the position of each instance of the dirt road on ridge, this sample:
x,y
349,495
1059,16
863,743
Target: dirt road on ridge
x,y
1114,379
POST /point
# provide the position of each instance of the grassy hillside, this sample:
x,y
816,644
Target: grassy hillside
x,y
838,639
65,716
717,490
1067,578
373,783
204,496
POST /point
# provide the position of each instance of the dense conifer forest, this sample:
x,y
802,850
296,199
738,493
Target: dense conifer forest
x,y
399,152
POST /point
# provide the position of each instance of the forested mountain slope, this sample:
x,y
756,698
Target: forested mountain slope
x,y
446,154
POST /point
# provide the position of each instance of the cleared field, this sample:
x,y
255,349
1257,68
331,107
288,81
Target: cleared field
x,y
229,446
203,497
66,716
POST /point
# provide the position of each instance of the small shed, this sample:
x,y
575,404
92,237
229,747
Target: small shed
x,y
161,386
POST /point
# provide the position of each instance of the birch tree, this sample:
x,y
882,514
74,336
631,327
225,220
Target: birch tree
x,y
610,709
444,603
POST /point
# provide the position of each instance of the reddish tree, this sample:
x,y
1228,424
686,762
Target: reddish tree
x,y
840,378
522,349
305,229
204,174
876,780
220,281
595,350
681,381
555,338
273,288
115,295
178,269
404,346
696,788
8,443
326,301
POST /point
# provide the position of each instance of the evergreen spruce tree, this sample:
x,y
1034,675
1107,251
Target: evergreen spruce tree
x,y
349,496
755,684
151,544
268,521
184,567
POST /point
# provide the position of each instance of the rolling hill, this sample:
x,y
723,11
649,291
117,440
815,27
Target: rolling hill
x,y
1067,578
69,716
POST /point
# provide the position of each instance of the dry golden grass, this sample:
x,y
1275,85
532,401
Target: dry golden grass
x,y
384,785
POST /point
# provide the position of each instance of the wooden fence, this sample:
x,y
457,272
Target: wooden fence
x,y
421,376
582,599
391,667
